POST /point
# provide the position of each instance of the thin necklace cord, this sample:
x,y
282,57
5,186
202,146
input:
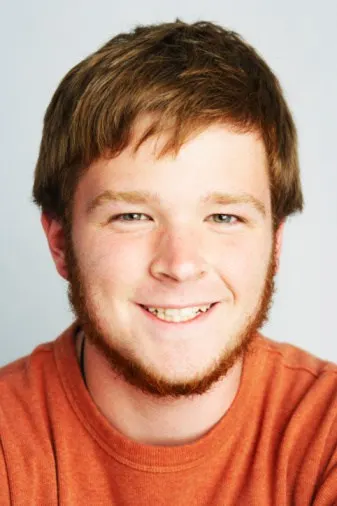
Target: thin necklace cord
x,y
82,361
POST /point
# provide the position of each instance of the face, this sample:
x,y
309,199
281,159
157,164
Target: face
x,y
174,249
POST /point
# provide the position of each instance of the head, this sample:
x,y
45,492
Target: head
x,y
181,112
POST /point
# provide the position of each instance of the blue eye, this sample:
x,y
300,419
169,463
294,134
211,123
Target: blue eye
x,y
237,219
117,217
130,217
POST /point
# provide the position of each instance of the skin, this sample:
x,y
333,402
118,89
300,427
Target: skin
x,y
168,384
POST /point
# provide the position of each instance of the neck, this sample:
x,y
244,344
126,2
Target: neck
x,y
150,420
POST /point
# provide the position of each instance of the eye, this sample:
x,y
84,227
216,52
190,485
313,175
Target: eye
x,y
227,218
118,217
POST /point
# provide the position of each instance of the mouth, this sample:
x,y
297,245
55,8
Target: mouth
x,y
160,319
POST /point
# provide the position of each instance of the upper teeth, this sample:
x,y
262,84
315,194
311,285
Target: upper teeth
x,y
179,312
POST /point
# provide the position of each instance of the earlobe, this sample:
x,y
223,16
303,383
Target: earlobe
x,y
56,240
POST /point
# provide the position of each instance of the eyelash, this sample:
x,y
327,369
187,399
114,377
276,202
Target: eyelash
x,y
117,217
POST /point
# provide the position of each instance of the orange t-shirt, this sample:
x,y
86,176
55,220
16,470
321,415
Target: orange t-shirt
x,y
276,445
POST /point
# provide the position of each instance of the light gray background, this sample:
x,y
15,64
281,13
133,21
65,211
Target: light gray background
x,y
41,41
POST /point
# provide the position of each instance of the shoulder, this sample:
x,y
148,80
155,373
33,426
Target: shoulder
x,y
27,384
299,390
301,398
21,369
290,357
296,394
29,388
299,380
31,393
23,427
24,386
22,380
28,375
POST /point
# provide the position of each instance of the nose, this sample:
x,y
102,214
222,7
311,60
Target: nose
x,y
179,256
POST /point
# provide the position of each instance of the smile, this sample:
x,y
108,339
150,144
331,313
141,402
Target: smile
x,y
178,317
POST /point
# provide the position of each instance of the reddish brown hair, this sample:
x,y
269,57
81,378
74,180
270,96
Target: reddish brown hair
x,y
187,76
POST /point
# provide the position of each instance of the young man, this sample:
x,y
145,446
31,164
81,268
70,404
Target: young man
x,y
168,166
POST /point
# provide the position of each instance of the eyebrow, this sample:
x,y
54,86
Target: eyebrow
x,y
145,197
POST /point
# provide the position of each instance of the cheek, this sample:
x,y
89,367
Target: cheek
x,y
244,267
107,265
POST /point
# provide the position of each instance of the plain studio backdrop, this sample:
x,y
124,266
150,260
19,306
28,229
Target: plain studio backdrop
x,y
41,41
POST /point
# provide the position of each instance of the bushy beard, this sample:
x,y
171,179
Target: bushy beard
x,y
133,372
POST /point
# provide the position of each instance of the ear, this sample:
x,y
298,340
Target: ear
x,y
278,244
56,241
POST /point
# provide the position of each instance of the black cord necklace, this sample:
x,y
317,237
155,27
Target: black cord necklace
x,y
82,362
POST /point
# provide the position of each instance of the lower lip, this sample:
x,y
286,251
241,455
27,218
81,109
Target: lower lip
x,y
201,317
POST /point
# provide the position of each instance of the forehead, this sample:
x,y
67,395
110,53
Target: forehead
x,y
217,160
172,140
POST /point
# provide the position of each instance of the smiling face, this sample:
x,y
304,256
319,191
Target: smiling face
x,y
182,247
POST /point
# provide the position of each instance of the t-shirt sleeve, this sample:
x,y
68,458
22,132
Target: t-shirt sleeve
x,y
4,484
